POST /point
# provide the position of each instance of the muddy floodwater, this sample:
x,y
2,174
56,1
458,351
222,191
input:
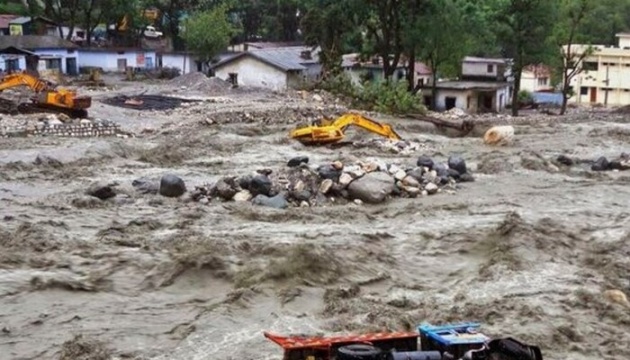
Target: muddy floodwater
x,y
527,249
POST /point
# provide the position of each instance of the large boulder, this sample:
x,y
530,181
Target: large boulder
x,y
278,202
297,161
260,184
172,186
456,162
373,188
425,161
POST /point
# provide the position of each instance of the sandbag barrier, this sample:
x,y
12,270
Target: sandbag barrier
x,y
67,130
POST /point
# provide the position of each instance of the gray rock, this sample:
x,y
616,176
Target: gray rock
x,y
329,172
564,160
224,190
146,186
416,173
431,188
600,164
425,161
172,186
456,162
466,178
45,160
278,202
440,169
260,184
325,186
303,195
454,173
411,181
372,188
297,161
101,190
244,182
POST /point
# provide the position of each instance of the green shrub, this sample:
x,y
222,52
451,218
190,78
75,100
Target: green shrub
x,y
525,97
390,97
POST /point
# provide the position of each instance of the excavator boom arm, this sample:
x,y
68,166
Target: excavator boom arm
x,y
23,79
367,124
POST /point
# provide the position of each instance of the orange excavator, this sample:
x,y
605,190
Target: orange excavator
x,y
328,132
47,98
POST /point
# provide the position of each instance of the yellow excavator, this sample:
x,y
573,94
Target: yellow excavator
x,y
47,99
328,131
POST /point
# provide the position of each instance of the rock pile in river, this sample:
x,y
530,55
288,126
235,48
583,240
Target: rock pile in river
x,y
371,181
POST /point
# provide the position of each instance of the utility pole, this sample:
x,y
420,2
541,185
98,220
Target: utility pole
x,y
607,82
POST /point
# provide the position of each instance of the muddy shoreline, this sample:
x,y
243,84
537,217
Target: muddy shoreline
x,y
527,249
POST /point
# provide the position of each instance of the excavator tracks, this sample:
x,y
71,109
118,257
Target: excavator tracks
x,y
34,108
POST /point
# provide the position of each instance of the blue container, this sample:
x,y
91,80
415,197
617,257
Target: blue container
x,y
456,339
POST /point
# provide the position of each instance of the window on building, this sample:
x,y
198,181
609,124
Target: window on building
x,y
543,81
583,90
590,66
53,64
490,68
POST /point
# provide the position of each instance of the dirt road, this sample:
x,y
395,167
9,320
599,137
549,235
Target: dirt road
x,y
527,249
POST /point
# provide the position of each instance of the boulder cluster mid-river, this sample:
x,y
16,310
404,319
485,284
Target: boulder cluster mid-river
x,y
300,184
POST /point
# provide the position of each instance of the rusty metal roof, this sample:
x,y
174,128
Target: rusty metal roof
x,y
5,19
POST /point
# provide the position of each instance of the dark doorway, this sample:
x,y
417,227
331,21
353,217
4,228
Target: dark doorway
x,y
450,102
593,94
234,79
71,66
427,100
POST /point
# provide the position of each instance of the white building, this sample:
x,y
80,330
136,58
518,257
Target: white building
x,y
55,54
272,68
484,86
605,75
535,78
117,59
184,61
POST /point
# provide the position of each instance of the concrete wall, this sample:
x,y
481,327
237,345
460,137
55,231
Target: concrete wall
x,y
468,100
461,98
185,63
254,73
21,61
61,54
479,69
108,60
624,41
531,83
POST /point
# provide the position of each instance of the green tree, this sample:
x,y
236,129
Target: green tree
x,y
443,35
571,42
324,23
207,33
525,29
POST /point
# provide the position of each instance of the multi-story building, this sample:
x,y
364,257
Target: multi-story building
x,y
605,74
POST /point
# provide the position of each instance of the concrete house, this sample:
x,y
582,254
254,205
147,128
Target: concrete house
x,y
535,78
271,68
55,54
186,62
605,76
38,25
117,59
485,85
372,70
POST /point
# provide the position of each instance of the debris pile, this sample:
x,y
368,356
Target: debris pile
x,y
51,125
371,181
284,115
397,147
147,102
200,82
